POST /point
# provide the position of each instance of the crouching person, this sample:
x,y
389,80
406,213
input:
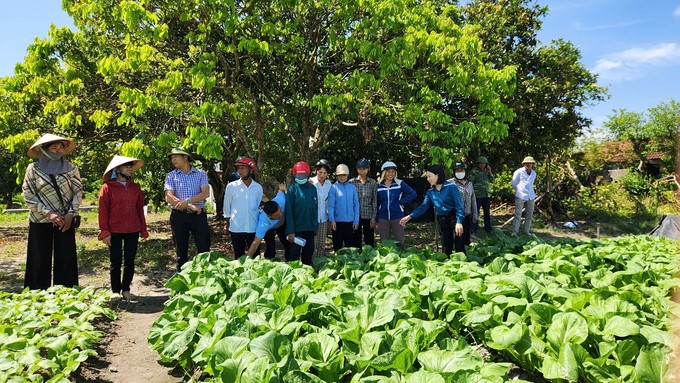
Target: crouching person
x,y
271,223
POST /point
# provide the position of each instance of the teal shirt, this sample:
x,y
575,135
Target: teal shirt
x,y
301,208
481,181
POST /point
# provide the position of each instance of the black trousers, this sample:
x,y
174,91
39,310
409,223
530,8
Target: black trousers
x,y
43,240
270,242
241,243
446,229
343,235
303,253
367,231
123,247
184,225
485,204
461,241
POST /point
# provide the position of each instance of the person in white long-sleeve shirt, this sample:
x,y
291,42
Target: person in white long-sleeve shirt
x,y
241,207
523,183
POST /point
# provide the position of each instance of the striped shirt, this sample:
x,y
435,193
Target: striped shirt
x,y
186,185
368,198
467,194
41,198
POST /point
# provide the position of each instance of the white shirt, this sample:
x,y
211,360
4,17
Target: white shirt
x,y
322,192
523,184
241,206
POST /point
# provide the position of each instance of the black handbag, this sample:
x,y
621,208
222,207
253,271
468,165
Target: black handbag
x,y
75,222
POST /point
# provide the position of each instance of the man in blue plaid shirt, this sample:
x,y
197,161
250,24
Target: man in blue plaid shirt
x,y
367,191
186,189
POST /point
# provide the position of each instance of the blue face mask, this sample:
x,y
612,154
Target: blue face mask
x,y
301,182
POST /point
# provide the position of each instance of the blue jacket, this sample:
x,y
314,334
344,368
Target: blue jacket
x,y
391,199
444,200
343,203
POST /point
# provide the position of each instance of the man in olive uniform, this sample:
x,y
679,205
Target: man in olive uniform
x,y
481,177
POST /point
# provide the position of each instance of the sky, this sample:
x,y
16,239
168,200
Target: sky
x,y
633,45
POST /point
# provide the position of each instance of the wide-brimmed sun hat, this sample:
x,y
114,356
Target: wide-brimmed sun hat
x,y
528,160
120,160
482,160
34,151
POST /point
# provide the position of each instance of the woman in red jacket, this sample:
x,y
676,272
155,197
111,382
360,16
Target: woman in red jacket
x,y
121,220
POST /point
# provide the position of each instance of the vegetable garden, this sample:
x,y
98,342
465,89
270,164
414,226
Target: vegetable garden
x,y
595,311
46,334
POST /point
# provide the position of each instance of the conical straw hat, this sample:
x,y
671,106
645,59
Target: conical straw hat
x,y
34,150
119,160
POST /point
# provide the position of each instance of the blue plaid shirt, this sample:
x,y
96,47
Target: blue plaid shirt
x,y
186,185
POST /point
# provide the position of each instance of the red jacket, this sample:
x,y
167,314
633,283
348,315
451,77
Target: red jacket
x,y
121,209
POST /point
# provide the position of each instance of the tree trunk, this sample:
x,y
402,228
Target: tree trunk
x,y
573,175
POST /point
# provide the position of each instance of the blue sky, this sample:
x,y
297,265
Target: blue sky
x,y
633,45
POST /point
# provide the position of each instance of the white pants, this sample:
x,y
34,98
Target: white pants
x,y
529,212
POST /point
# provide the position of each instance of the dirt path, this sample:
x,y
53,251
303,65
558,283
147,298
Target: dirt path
x,y
124,355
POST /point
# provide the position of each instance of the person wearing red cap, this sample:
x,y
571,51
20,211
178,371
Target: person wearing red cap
x,y
241,207
301,214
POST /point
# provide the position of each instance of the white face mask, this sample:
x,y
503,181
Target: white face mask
x,y
460,175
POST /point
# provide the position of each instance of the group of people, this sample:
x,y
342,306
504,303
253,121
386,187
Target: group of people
x,y
352,208
300,215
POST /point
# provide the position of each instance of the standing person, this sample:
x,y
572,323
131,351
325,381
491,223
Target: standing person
x,y
53,192
392,194
121,220
470,211
368,205
301,214
186,189
271,223
241,207
323,187
343,209
445,198
481,178
523,182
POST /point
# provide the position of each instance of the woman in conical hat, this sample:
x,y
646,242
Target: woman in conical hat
x,y
121,221
53,192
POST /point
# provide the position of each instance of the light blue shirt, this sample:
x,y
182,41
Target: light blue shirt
x,y
241,206
264,223
343,203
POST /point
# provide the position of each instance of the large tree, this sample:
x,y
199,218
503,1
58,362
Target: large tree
x,y
271,80
552,85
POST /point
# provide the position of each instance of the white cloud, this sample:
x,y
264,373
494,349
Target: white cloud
x,y
635,62
677,12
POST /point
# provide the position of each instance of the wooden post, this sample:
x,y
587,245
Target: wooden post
x,y
548,192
